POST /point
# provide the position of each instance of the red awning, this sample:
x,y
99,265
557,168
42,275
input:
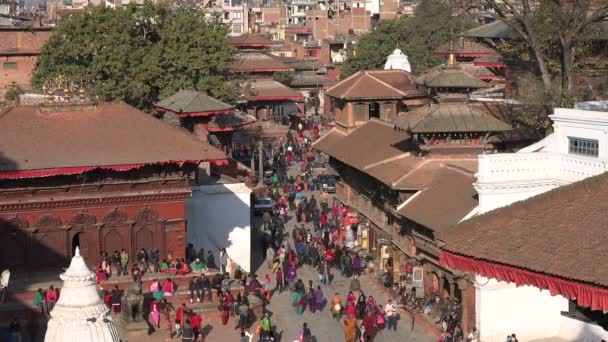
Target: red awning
x,y
83,169
586,295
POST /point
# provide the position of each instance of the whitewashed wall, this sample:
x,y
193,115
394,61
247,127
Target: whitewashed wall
x,y
219,216
503,309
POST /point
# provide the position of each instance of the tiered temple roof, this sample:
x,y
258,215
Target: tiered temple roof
x,y
193,103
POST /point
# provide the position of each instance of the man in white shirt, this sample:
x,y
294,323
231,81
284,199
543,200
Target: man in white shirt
x,y
391,315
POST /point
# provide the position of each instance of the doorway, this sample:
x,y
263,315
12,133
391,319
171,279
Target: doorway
x,y
79,240
374,110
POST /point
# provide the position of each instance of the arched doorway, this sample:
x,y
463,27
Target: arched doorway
x,y
79,240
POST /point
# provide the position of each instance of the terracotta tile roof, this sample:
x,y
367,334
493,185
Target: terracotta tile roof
x,y
232,120
448,199
269,90
190,101
371,143
110,134
390,171
250,39
561,232
305,79
377,84
421,176
447,117
449,76
257,62
463,47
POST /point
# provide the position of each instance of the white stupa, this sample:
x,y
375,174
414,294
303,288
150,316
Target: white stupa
x,y
397,61
80,315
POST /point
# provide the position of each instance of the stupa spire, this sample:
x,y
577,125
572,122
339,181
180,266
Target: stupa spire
x,y
80,314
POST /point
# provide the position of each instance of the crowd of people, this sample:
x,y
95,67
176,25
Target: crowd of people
x,y
322,239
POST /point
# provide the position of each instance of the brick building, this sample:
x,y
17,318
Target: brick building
x,y
350,21
78,174
19,51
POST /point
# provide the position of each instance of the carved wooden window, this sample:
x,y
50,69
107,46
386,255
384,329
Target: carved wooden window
x,y
359,111
143,239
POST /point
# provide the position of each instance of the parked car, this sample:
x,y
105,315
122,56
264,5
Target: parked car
x,y
327,183
262,204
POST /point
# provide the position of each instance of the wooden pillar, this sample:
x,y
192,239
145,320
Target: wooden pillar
x,y
261,161
467,306
441,287
452,289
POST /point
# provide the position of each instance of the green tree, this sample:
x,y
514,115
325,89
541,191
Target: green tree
x,y
139,54
418,36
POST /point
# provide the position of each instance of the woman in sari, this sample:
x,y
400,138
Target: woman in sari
x,y
350,328
361,306
311,297
371,304
299,301
319,299
155,313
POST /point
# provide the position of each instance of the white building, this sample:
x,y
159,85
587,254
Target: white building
x,y
577,149
219,216
80,314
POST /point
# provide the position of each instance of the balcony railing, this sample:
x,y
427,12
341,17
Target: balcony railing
x,y
513,167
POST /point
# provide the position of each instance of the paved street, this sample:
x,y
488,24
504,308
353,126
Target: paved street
x,y
322,325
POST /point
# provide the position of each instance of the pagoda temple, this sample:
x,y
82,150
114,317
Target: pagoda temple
x,y
451,122
80,314
98,176
203,115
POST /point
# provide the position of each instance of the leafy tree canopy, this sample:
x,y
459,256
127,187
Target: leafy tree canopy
x,y
417,37
139,54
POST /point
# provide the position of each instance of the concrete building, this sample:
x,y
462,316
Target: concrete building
x,y
235,14
577,149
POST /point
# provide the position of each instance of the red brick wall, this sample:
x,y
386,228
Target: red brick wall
x,y
357,20
276,15
388,9
15,67
50,246
21,75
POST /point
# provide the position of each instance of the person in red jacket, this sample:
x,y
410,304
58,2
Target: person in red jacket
x,y
51,298
196,323
179,318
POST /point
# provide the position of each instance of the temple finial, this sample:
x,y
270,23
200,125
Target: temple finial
x,y
451,58
77,251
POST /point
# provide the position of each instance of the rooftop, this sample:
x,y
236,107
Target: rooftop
x,y
376,84
261,90
190,102
463,47
450,76
110,134
449,197
257,62
250,40
446,117
560,232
